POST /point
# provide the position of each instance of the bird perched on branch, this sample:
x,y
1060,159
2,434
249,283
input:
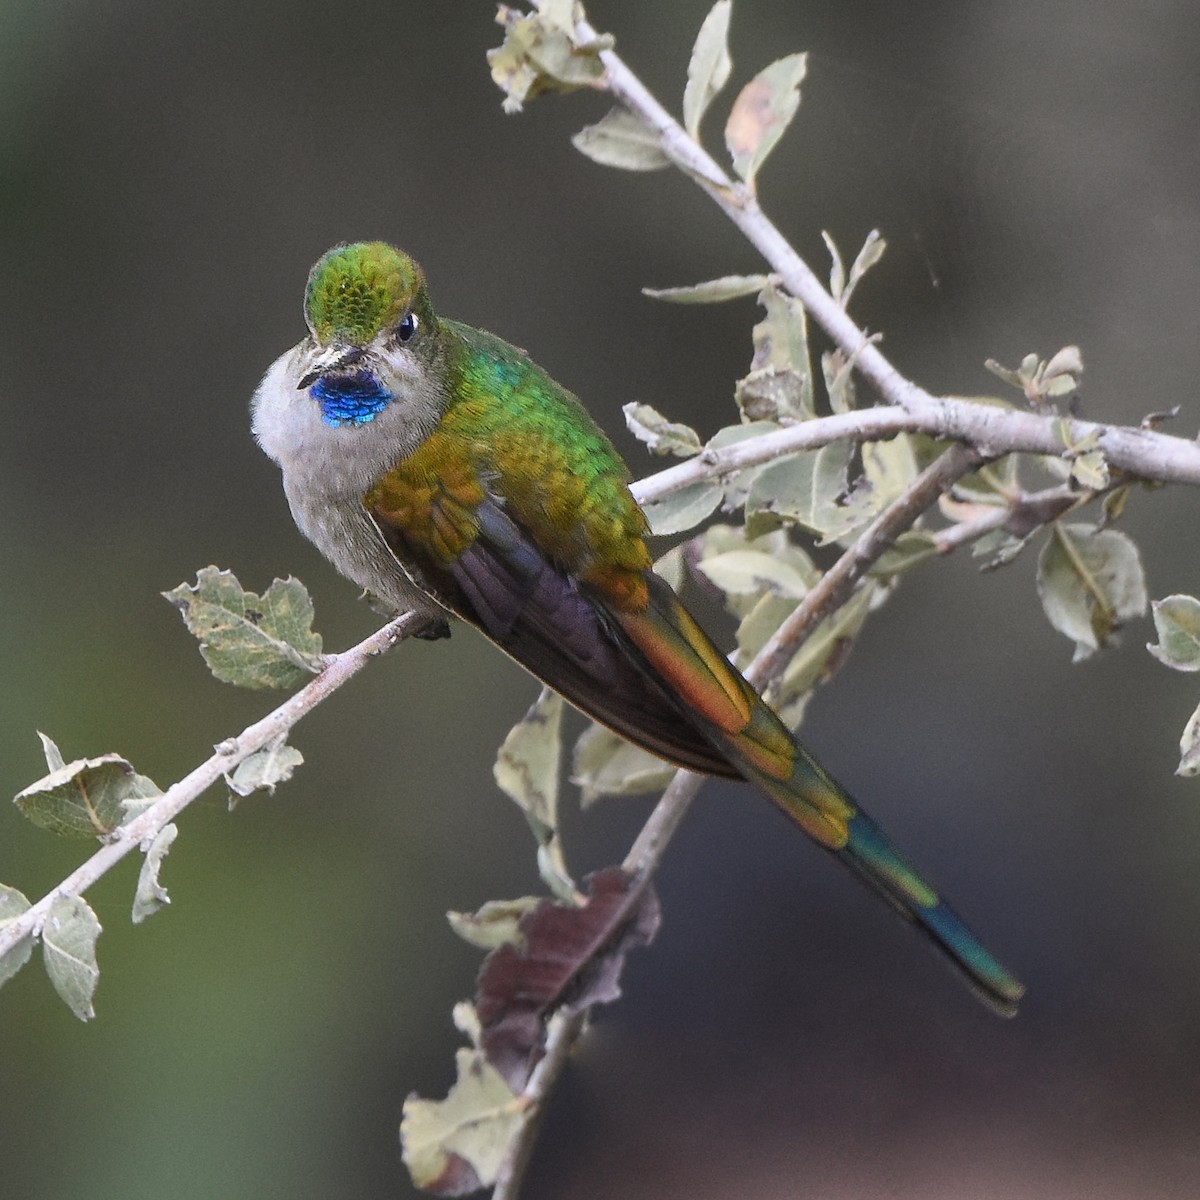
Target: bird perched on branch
x,y
441,469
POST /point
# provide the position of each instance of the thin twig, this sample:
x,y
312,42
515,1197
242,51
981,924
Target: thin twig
x,y
145,827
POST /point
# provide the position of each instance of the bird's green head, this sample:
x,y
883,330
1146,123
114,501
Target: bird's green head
x,y
357,291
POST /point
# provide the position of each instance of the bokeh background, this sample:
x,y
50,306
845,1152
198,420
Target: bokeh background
x,y
167,173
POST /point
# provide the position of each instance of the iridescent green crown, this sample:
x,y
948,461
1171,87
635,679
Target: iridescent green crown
x,y
355,291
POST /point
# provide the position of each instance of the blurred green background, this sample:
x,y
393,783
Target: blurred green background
x,y
167,174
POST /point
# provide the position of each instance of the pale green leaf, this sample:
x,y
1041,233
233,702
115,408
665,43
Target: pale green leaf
x,y
267,767
999,547
647,424
85,798
607,765
763,110
1189,747
12,905
736,485
672,567
868,256
709,66
150,895
69,949
497,923
252,641
1090,470
837,369
822,652
911,548
619,139
527,770
837,269
1177,622
1090,581
747,572
802,489
683,509
711,291
457,1145
54,758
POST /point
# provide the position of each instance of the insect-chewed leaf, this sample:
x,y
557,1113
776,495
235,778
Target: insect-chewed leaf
x,y
252,641
150,895
89,797
527,770
267,767
619,139
12,905
648,425
762,111
1090,581
779,385
711,291
1177,621
683,509
541,53
572,957
604,764
709,66
69,948
456,1146
495,923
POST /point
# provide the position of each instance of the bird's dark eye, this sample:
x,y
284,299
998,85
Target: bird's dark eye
x,y
407,327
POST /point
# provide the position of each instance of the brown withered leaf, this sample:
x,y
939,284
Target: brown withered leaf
x,y
571,957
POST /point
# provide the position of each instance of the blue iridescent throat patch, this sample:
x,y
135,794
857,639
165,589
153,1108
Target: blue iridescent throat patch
x,y
351,399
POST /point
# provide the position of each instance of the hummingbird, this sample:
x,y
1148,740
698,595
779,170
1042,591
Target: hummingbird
x,y
441,469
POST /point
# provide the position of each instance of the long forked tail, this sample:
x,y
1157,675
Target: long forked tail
x,y
747,732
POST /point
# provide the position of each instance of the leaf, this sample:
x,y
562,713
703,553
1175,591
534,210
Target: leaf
x,y
779,385
572,958
527,770
911,548
607,765
868,256
69,949
541,53
495,923
150,895
619,139
746,572
762,112
708,68
252,641
54,758
456,1146
671,567
826,648
1177,621
1090,581
12,905
662,436
711,291
736,484
804,489
683,509
999,547
1189,747
84,798
263,770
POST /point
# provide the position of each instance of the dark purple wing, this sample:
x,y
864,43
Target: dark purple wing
x,y
504,586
